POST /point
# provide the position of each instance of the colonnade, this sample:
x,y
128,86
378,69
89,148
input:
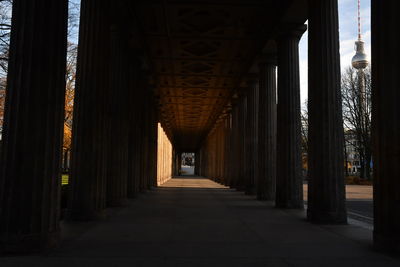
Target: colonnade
x,y
115,126
115,122
212,157
254,147
261,136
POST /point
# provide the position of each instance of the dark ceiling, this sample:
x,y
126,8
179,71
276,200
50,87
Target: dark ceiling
x,y
200,54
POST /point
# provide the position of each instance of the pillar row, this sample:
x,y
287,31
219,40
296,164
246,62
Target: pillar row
x,y
213,158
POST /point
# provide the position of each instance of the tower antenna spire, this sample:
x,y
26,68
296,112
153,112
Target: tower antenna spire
x,y
359,19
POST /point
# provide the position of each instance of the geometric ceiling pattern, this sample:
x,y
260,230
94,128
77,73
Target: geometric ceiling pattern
x,y
200,52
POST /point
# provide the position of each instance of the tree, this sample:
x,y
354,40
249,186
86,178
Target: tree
x,y
357,114
5,31
69,95
304,134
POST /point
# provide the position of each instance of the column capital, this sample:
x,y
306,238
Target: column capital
x,y
250,79
115,28
268,58
294,30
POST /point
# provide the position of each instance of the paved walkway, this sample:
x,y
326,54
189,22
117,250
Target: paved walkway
x,y
359,201
195,222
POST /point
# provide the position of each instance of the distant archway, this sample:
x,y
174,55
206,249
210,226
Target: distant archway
x,y
187,163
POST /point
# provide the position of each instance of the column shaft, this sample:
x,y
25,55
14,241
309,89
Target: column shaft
x,y
117,120
33,126
197,163
229,151
134,112
386,125
266,176
289,180
241,139
326,191
88,165
154,134
235,146
251,137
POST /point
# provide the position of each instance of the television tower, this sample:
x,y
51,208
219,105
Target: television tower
x,y
360,59
360,62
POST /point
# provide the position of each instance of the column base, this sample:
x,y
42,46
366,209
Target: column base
x,y
117,203
250,190
265,198
143,190
387,244
132,195
322,217
85,216
25,244
240,188
299,206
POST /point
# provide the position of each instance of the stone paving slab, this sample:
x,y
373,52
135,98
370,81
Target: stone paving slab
x,y
196,222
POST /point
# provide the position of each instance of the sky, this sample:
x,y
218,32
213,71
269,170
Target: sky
x,y
348,35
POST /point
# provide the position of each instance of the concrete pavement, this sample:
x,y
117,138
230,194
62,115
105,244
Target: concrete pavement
x,y
196,222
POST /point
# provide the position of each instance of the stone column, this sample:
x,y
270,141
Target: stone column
x,y
266,176
33,126
241,139
139,125
326,191
229,150
289,179
117,119
154,134
224,159
133,111
174,162
145,140
197,163
386,125
235,145
88,165
251,137
179,158
142,133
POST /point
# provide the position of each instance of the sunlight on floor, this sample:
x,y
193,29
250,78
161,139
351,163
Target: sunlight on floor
x,y
192,182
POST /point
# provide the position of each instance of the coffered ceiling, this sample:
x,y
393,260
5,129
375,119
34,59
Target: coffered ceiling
x,y
199,54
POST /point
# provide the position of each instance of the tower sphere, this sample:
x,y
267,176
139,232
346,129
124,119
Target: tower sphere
x,y
360,59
